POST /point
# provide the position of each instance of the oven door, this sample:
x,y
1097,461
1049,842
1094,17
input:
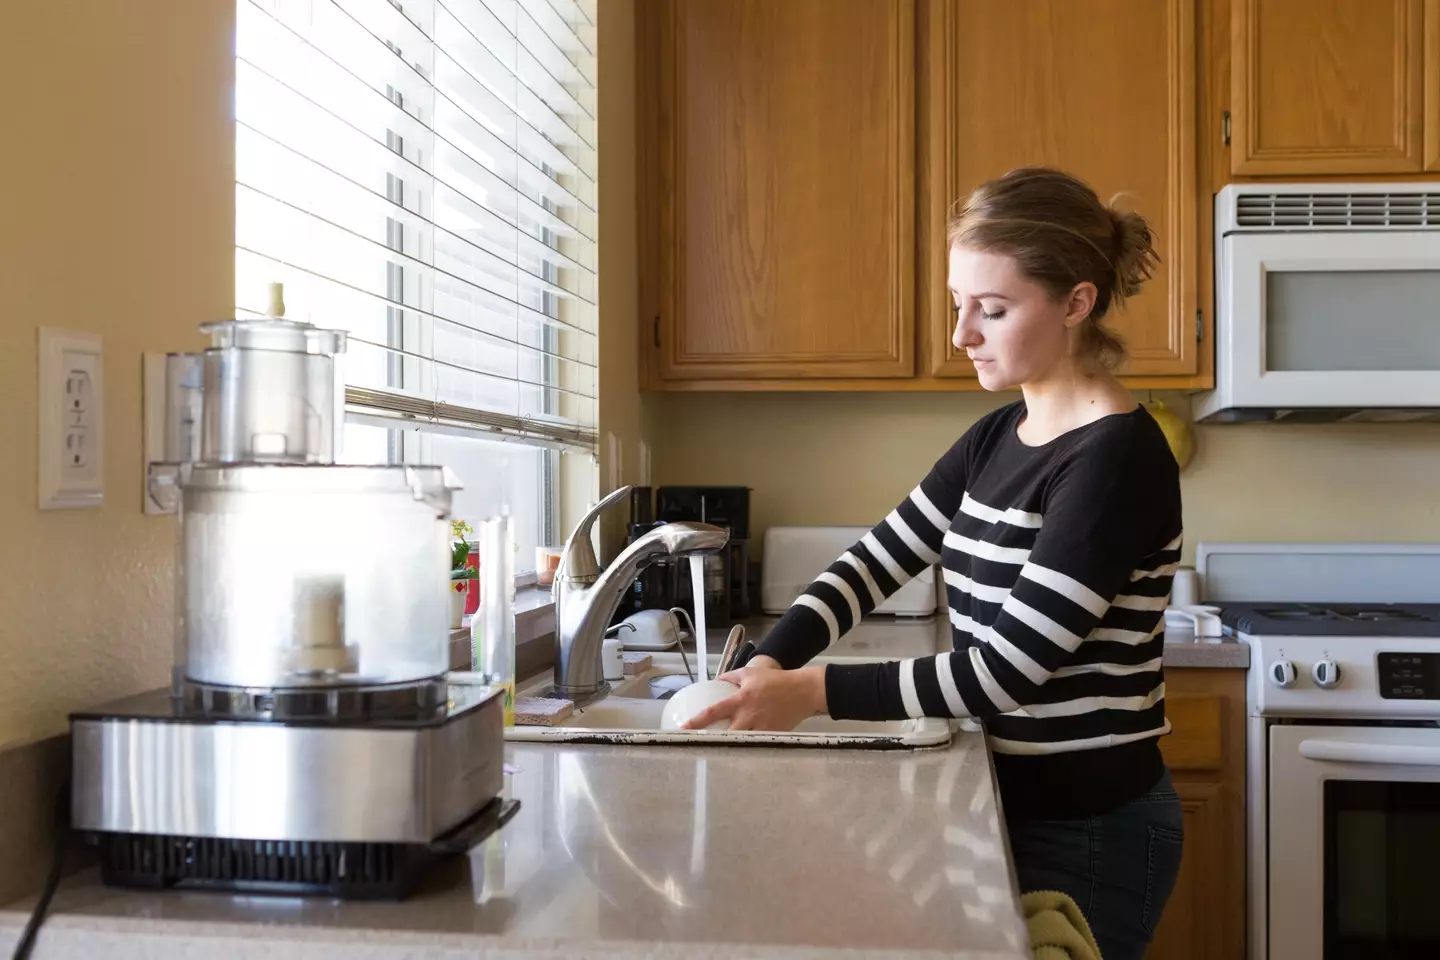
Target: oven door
x,y
1354,843
1331,319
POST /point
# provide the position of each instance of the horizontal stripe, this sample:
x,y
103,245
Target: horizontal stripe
x,y
989,685
918,497
1001,745
1130,637
946,677
964,624
919,547
1067,586
897,573
877,596
1108,668
1018,658
1130,601
979,591
1042,625
1168,570
845,591
1071,708
1014,517
985,550
907,689
826,614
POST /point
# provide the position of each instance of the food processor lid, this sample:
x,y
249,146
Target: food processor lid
x,y
289,336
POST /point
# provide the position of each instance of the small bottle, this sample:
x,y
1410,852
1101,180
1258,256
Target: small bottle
x,y
492,629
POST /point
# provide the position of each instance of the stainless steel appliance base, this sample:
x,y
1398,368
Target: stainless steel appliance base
x,y
147,765
350,871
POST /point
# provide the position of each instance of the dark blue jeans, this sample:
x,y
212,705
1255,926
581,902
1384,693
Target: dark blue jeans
x,y
1118,867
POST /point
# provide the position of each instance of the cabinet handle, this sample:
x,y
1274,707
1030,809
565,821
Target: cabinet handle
x,y
1225,128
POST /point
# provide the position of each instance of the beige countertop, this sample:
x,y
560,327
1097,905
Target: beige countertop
x,y
642,852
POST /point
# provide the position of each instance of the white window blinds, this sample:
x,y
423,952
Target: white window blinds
x,y
422,174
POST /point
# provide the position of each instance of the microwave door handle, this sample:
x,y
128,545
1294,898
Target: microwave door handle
x,y
1349,751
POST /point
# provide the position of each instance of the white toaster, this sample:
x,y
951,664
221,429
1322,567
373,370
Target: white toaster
x,y
795,556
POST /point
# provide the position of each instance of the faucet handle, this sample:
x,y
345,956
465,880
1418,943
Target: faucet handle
x,y
577,561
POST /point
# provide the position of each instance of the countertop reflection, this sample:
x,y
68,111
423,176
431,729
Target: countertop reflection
x,y
624,851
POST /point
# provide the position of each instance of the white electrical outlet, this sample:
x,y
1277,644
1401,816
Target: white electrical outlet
x,y
72,420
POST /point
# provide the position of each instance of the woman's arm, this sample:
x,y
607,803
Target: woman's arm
x,y
884,560
1103,519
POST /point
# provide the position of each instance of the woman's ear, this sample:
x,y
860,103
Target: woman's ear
x,y
1080,302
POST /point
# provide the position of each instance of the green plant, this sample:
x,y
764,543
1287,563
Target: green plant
x,y
466,572
460,550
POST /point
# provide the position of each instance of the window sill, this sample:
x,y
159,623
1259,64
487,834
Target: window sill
x,y
534,633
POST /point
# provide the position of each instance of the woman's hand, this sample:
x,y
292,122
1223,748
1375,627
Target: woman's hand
x,y
769,698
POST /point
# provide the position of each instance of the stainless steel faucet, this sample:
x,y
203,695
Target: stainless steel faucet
x,y
586,597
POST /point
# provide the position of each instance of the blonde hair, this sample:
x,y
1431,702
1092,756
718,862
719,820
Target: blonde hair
x,y
1059,232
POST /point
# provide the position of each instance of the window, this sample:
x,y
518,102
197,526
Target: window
x,y
422,174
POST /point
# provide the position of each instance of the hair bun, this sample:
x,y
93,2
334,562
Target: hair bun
x,y
1134,257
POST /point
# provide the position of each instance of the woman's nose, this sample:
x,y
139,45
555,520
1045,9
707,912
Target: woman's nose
x,y
965,335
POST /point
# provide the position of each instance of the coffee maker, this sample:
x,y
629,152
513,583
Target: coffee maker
x,y
728,578
312,738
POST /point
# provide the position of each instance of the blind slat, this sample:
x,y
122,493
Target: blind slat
x,y
422,174
489,312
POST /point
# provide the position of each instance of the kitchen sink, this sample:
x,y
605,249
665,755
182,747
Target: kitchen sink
x,y
631,713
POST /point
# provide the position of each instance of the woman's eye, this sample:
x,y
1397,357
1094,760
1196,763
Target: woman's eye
x,y
991,316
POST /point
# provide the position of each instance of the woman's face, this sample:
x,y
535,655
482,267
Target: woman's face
x,y
1014,331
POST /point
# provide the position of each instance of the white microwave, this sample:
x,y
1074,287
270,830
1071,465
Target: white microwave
x,y
1327,299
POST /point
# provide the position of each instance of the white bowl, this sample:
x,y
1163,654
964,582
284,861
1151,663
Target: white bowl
x,y
690,700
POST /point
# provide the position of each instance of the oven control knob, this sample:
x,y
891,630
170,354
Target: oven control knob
x,y
1282,673
1326,673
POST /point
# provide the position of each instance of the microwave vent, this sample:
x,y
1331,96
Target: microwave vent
x,y
1419,209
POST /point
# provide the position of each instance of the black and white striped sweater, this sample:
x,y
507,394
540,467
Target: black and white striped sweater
x,y
1057,562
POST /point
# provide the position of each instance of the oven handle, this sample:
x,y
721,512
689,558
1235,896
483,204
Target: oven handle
x,y
1349,751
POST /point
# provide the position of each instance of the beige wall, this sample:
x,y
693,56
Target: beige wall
x,y
117,206
849,458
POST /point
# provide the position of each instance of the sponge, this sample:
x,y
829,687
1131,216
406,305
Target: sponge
x,y
541,711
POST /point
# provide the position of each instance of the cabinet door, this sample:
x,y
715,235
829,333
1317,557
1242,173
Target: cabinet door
x,y
1326,87
1191,927
787,188
1103,89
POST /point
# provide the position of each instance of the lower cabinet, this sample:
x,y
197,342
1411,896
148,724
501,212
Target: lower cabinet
x,y
1205,917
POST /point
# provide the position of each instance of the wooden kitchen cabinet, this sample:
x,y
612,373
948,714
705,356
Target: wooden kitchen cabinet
x,y
1205,917
1334,87
785,141
797,161
1105,89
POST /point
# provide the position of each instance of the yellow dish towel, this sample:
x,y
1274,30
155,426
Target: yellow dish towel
x,y
1058,930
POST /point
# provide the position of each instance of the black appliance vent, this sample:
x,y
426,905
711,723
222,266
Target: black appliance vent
x,y
358,871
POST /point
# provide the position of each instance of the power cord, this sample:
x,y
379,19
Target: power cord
x,y
57,866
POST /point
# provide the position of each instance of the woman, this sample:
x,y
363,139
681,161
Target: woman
x,y
1057,522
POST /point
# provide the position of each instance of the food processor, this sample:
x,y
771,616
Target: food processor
x,y
312,738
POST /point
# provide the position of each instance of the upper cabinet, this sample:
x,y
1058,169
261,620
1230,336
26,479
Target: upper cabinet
x,y
1105,89
1334,87
784,159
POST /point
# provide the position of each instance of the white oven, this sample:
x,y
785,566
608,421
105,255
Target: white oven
x,y
1327,303
1354,830
1342,745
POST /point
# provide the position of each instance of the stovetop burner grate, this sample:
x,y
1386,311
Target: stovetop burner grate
x,y
1342,613
1333,619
